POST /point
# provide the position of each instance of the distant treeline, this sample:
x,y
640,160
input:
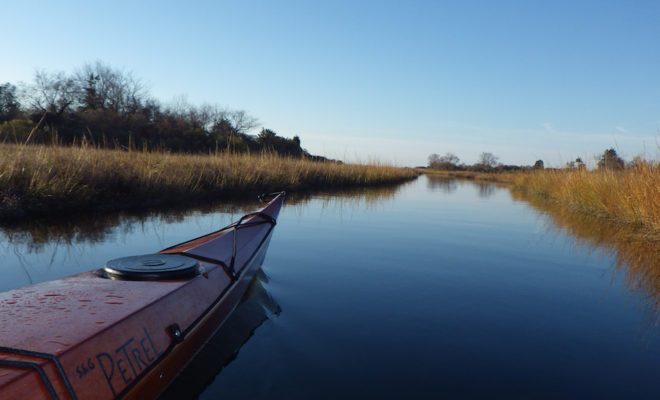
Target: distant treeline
x,y
110,108
487,162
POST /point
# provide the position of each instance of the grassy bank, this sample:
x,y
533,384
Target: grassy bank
x,y
628,197
44,180
504,177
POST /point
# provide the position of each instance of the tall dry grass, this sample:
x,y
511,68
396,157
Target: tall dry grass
x,y
52,179
630,196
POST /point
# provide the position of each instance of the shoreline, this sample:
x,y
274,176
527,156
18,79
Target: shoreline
x,y
629,197
500,177
41,181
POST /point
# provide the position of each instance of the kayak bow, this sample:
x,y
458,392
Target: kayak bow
x,y
127,330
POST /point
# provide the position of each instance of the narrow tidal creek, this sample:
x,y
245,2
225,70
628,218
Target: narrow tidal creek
x,y
432,289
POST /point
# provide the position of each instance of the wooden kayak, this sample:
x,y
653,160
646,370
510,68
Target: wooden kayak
x,y
255,308
126,330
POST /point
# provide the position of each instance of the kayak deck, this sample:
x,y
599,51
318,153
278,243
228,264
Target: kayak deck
x,y
87,336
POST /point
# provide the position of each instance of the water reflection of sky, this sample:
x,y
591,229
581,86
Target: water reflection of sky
x,y
432,289
37,251
41,253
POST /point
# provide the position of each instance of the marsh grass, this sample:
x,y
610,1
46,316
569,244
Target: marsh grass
x,y
629,197
46,180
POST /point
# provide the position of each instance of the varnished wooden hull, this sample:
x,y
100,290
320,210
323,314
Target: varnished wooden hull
x,y
87,336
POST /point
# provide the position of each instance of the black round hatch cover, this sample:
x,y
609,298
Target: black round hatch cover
x,y
152,267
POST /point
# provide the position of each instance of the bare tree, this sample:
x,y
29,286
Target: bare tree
x,y
199,117
488,160
447,162
54,93
242,121
434,159
450,158
102,87
210,117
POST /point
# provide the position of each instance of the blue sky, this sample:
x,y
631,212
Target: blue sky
x,y
387,80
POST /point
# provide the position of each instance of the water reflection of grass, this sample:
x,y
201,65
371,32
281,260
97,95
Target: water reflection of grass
x,y
449,185
352,198
49,180
614,210
441,183
95,227
637,255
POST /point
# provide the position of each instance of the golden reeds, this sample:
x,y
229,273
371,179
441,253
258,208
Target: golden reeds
x,y
49,179
630,196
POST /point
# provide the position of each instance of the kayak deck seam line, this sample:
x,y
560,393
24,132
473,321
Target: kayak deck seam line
x,y
223,264
51,357
38,369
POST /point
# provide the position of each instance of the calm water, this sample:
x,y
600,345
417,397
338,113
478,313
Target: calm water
x,y
433,289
